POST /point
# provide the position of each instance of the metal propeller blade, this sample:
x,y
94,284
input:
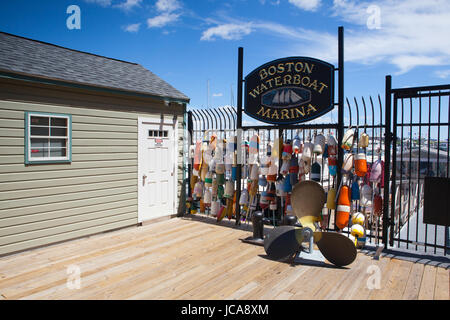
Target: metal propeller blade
x,y
283,242
335,247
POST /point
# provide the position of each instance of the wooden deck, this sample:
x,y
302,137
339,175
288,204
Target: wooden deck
x,y
186,258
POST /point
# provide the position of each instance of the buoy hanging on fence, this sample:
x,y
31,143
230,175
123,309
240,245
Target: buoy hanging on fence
x,y
214,187
293,165
355,191
215,206
366,196
332,166
331,199
203,171
343,208
254,173
319,144
315,171
229,189
332,145
220,191
285,166
307,152
287,150
207,197
243,200
358,218
287,187
253,149
221,213
198,189
296,145
360,165
376,171
377,205
273,172
357,231
197,156
262,181
294,178
208,179
363,140
264,201
347,140
265,164
347,165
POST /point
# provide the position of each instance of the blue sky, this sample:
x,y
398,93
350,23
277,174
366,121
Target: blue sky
x,y
188,42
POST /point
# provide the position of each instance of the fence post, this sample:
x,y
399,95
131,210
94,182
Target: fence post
x,y
239,131
340,128
387,162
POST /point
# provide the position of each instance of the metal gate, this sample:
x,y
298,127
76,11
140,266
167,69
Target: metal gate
x,y
417,145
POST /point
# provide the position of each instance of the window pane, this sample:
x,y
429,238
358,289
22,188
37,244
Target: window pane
x,y
60,152
38,131
59,122
150,133
39,152
57,143
39,121
39,143
59,132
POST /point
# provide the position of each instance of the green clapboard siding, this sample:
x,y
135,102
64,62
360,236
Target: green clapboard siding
x,y
97,192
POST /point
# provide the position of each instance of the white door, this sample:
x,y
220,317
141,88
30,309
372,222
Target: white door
x,y
156,169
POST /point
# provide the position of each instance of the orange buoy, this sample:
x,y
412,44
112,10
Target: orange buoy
x,y
360,165
377,205
343,208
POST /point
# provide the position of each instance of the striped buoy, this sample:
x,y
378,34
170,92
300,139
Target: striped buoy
x,y
208,179
215,206
347,140
262,181
221,213
229,189
220,179
220,191
214,186
253,188
265,164
360,164
331,199
287,150
294,178
273,205
307,152
253,149
376,171
293,165
254,173
343,208
315,171
285,166
332,166
273,172
198,189
264,201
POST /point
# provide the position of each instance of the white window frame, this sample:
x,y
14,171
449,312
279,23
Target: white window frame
x,y
28,137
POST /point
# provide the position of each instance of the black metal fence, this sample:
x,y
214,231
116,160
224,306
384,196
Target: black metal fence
x,y
363,115
420,148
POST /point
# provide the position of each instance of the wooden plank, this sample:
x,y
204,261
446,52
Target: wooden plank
x,y
397,286
64,236
413,283
10,132
40,233
101,127
63,205
442,289
80,134
427,286
122,259
42,191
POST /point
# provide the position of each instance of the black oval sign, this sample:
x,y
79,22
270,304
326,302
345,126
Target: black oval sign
x,y
290,90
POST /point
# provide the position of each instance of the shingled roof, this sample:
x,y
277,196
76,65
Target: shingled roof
x,y
38,59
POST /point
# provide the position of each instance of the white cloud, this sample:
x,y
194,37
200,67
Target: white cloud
x,y
132,27
443,74
308,5
103,3
162,20
216,95
129,4
167,14
229,31
167,5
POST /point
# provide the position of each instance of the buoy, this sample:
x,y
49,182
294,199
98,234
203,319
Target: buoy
x,y
347,140
220,191
315,171
347,165
273,205
254,172
253,149
208,179
360,165
301,170
198,189
243,200
358,218
265,164
214,187
215,206
253,188
293,164
293,178
331,199
221,213
262,181
319,144
343,208
357,231
355,191
229,189
366,196
376,171
273,172
202,206
377,205
220,178
207,198
287,150
332,166
264,201
287,187
198,155
285,166
307,152
220,168
194,179
332,145
363,140
296,145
